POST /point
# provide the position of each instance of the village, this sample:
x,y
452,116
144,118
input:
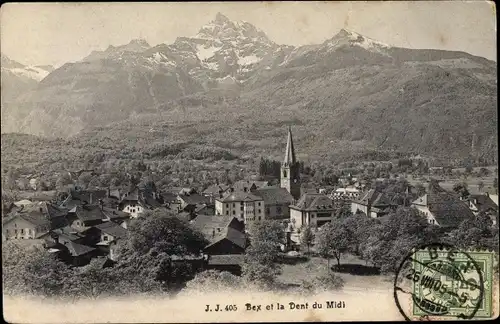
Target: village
x,y
86,224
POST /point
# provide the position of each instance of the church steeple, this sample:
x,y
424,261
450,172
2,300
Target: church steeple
x,y
290,150
290,169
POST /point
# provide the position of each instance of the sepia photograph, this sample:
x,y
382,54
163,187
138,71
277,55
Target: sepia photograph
x,y
203,162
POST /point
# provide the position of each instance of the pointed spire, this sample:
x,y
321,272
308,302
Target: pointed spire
x,y
290,151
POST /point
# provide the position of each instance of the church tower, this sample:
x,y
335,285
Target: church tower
x,y
290,169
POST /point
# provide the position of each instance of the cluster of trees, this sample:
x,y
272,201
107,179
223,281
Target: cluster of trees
x,y
383,243
269,168
150,261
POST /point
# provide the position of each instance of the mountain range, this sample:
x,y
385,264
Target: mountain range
x,y
348,93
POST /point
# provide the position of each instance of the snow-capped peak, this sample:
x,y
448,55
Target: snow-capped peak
x,y
221,28
360,40
37,73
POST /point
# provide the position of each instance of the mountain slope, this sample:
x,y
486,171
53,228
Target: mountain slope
x,y
18,78
348,93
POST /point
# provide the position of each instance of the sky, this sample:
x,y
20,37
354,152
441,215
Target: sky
x,y
56,33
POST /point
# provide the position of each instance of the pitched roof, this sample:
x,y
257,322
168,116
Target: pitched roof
x,y
112,213
446,208
68,232
374,198
112,229
169,196
239,196
208,224
131,194
205,209
290,150
273,195
236,237
148,201
33,218
76,249
194,199
240,185
214,189
226,259
314,201
483,202
89,213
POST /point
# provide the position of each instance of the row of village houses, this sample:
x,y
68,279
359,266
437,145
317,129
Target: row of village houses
x,y
89,223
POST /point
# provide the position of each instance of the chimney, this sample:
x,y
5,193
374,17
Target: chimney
x,y
90,199
213,232
101,204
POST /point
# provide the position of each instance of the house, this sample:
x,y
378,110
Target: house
x,y
215,190
373,203
441,207
74,253
204,209
31,221
78,197
229,241
170,200
312,209
226,262
24,226
245,206
83,217
109,234
62,236
114,215
212,226
276,202
248,185
137,199
482,203
189,202
349,193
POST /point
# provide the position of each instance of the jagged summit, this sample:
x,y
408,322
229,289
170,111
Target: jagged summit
x,y
222,28
220,18
139,42
355,38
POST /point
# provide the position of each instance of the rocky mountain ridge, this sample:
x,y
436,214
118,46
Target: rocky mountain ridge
x,y
349,88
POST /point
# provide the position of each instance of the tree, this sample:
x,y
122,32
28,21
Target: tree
x,y
63,180
213,280
33,270
333,239
476,232
461,189
268,231
261,264
361,227
480,186
145,258
495,185
164,232
391,240
307,237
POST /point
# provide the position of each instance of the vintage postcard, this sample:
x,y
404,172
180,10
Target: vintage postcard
x,y
249,161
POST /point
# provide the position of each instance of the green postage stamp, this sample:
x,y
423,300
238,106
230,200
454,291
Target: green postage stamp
x,y
445,282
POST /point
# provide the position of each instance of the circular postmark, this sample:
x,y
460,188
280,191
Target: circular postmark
x,y
437,280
